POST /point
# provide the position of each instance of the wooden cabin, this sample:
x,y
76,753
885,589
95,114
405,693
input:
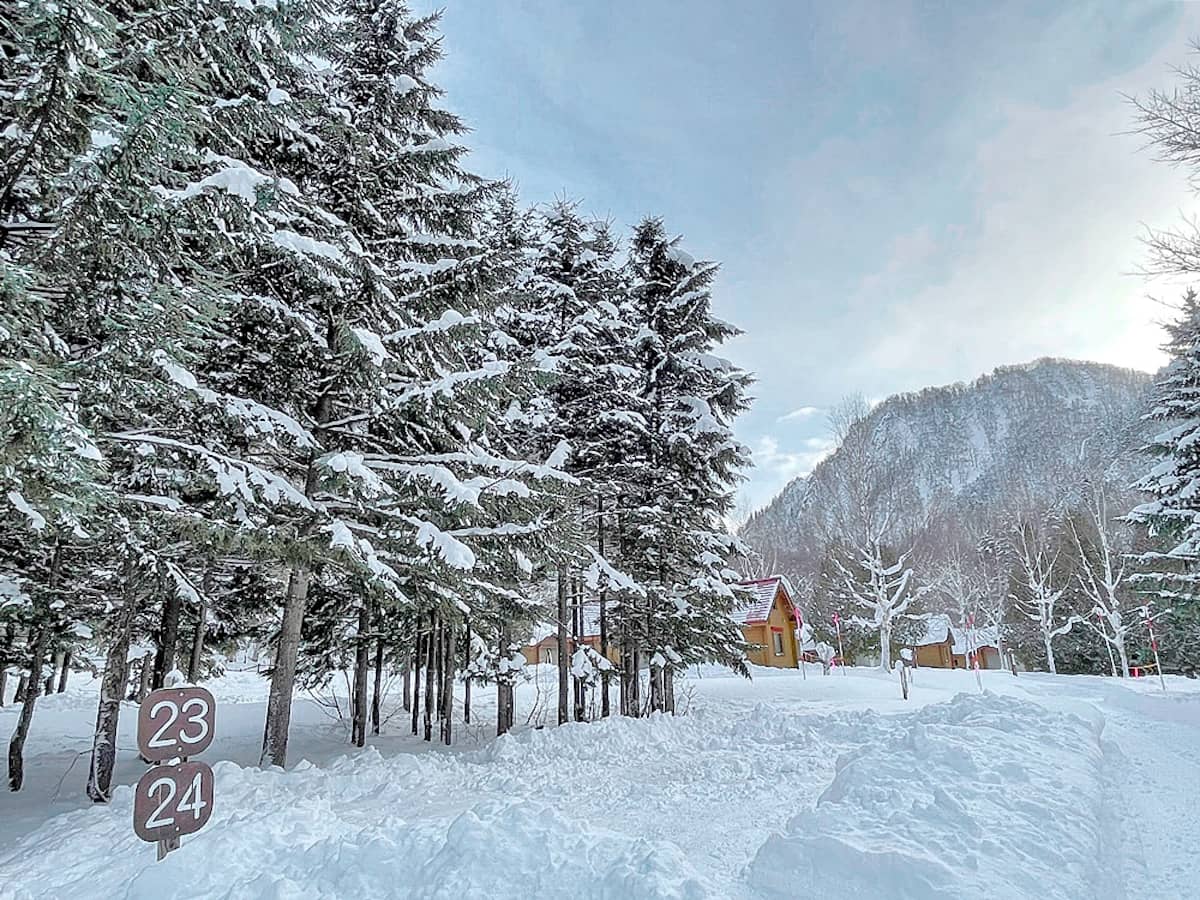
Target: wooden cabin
x,y
767,615
543,644
769,621
946,646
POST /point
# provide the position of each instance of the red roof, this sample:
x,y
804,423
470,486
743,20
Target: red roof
x,y
762,593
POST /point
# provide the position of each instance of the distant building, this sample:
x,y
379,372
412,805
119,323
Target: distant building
x,y
770,622
543,644
947,646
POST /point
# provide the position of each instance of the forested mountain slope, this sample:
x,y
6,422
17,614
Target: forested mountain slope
x,y
964,451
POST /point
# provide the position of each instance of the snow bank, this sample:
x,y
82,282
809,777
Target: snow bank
x,y
981,796
365,826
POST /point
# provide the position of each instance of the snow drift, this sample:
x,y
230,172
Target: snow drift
x,y
981,796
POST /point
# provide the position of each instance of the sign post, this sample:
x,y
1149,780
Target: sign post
x,y
175,796
1154,646
837,624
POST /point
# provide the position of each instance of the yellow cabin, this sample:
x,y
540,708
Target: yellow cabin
x,y
946,646
770,622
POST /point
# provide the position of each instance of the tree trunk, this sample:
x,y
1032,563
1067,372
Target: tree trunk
x,y
406,685
112,689
430,674
197,654
64,671
439,667
377,696
885,646
448,686
3,680
146,681
605,674
562,647
362,659
16,746
504,698
40,646
1049,654
416,680
1122,655
579,685
669,690
656,687
168,636
21,685
283,676
627,677
467,668
52,677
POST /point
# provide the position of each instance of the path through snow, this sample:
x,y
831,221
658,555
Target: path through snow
x,y
1049,787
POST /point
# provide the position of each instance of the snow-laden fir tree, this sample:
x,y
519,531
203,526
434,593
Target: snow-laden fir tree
x,y
1173,510
682,472
573,315
416,372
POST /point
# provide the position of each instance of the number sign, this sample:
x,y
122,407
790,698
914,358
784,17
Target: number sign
x,y
175,723
171,801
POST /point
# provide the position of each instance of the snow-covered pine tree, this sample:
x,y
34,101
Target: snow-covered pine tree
x,y
674,538
421,416
572,315
1170,573
155,213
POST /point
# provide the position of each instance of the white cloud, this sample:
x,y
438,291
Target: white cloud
x,y
804,412
1059,195
775,467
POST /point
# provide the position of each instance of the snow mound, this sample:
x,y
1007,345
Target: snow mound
x,y
359,828
981,796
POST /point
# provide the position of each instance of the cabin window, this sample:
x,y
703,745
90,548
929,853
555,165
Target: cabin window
x,y
778,638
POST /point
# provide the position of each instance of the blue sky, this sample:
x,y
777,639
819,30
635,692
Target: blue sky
x,y
900,194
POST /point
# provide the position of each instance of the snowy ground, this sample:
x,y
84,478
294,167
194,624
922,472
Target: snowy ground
x,y
1049,787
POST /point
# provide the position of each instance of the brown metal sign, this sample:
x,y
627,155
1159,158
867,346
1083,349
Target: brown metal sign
x,y
171,801
175,723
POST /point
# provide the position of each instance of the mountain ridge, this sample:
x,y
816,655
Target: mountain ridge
x,y
962,448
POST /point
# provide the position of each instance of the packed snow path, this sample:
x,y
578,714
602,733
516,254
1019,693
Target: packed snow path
x,y
1048,787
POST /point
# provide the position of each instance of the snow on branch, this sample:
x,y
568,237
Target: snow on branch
x,y
263,419
233,476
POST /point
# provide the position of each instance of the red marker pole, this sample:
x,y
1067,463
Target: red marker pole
x,y
837,623
1154,646
975,651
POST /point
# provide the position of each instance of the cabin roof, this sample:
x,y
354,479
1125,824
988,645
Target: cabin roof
x,y
938,628
761,593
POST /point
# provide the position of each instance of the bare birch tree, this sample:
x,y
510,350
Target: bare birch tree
x,y
1031,543
1101,576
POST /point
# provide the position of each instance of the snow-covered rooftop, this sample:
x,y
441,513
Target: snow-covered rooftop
x,y
939,626
761,592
